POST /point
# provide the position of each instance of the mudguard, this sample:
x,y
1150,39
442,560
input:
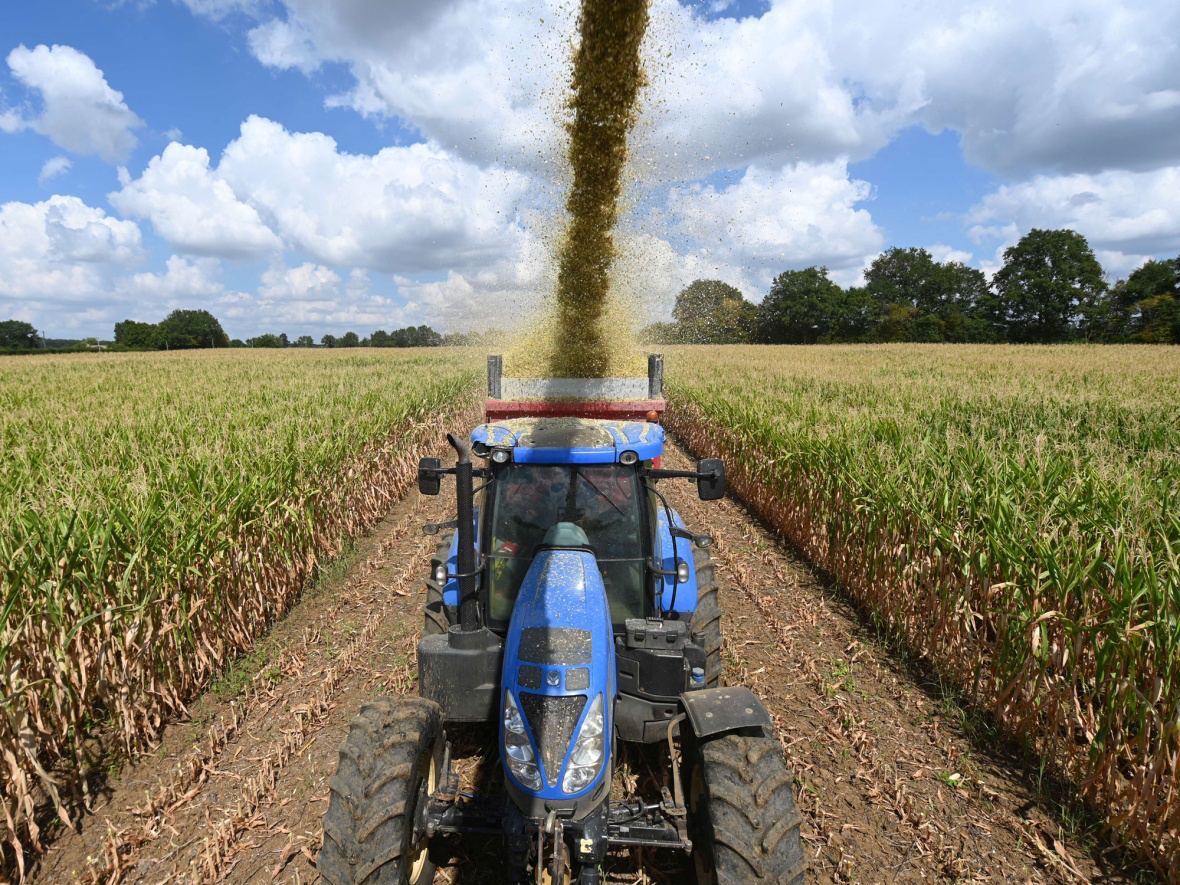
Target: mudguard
x,y
719,710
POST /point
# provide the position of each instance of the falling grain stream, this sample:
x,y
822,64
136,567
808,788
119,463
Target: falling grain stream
x,y
607,77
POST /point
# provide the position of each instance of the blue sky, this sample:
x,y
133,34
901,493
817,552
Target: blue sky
x,y
306,167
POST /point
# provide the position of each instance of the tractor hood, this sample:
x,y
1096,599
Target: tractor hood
x,y
559,672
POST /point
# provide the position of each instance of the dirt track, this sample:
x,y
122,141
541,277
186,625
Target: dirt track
x,y
892,789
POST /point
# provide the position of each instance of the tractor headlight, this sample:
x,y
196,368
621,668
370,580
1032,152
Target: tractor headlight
x,y
501,456
588,752
518,750
440,574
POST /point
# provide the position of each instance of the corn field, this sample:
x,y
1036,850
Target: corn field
x,y
1013,513
158,512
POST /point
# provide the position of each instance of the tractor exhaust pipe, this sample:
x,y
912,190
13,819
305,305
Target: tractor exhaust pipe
x,y
464,485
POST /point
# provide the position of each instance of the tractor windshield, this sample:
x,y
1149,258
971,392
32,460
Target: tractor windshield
x,y
603,499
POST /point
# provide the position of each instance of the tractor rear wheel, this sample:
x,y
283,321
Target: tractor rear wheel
x,y
374,828
705,627
435,614
742,818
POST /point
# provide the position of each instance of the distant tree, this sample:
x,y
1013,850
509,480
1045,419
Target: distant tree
x,y
138,336
660,333
380,338
237,342
895,323
713,312
906,276
283,338
349,339
1138,307
1157,320
18,335
329,341
1047,282
304,341
267,340
853,314
414,336
189,329
800,308
966,305
946,302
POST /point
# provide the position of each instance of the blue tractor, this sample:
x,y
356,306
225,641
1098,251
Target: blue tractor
x,y
569,605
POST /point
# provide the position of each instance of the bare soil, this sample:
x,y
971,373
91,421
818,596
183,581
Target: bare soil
x,y
894,782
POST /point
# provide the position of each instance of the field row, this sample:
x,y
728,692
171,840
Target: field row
x,y
1012,512
158,512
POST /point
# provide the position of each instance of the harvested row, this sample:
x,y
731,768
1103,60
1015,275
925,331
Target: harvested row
x,y
1009,511
145,545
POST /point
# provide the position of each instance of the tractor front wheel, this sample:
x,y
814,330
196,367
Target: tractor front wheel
x,y
374,828
705,626
742,818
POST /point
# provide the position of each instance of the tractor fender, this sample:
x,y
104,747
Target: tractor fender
x,y
713,711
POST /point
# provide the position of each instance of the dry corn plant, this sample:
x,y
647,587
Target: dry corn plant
x,y
1010,511
159,512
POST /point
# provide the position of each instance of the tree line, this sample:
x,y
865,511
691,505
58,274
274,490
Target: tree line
x,y
1050,289
200,326
194,329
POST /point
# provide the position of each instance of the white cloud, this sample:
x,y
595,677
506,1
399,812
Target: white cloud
x,y
314,299
219,9
54,167
1126,216
500,294
771,220
403,209
193,208
278,44
1064,85
307,282
482,78
943,254
183,280
61,250
80,112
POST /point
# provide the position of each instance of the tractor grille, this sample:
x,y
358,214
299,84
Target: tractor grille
x,y
555,645
552,720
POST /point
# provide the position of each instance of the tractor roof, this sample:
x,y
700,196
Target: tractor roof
x,y
571,440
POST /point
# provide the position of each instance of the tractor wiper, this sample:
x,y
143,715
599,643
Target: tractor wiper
x,y
603,494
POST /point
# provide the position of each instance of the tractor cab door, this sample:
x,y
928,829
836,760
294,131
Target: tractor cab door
x,y
605,501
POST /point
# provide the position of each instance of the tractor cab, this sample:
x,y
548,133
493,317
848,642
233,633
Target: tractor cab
x,y
549,472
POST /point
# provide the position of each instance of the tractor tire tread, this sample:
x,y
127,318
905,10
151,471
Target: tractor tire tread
x,y
705,626
381,762
748,817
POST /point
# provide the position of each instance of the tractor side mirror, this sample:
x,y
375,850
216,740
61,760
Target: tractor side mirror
x,y
711,484
429,479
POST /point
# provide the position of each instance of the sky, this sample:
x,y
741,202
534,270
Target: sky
x,y
313,167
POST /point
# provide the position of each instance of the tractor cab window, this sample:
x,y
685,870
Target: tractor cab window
x,y
603,499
